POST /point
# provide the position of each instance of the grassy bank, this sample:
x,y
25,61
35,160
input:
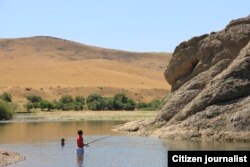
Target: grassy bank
x,y
84,115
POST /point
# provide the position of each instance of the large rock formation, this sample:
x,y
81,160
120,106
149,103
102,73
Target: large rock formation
x,y
210,98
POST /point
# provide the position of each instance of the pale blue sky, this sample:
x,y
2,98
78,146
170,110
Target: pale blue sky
x,y
135,25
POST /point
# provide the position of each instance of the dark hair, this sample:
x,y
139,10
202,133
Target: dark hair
x,y
80,132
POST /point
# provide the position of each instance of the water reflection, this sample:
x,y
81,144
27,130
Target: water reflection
x,y
79,160
204,145
40,142
122,151
42,131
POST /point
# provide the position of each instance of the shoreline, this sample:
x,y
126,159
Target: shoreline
x,y
40,116
9,157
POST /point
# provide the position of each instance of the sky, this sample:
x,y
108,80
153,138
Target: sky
x,y
133,25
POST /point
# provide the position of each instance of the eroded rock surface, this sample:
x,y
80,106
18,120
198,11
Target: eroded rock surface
x,y
210,78
8,158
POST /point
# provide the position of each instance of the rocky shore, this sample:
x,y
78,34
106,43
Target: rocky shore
x,y
8,157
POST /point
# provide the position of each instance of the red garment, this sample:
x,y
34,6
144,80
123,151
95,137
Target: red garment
x,y
79,141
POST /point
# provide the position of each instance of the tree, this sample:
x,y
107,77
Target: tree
x,y
119,100
56,105
108,103
28,106
78,106
122,102
34,99
155,104
49,106
36,105
6,111
79,103
45,104
95,102
141,106
6,97
66,99
130,105
67,106
80,99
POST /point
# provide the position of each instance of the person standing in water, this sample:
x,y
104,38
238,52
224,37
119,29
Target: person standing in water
x,y
80,143
62,142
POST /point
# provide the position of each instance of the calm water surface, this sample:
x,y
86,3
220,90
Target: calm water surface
x,y
39,142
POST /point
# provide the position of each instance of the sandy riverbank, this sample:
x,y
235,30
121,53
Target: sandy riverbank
x,y
84,115
8,157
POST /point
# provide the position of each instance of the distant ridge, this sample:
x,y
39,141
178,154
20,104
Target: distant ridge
x,y
44,63
48,42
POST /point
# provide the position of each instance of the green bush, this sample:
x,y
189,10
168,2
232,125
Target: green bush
x,y
66,99
65,103
44,104
95,102
108,103
119,100
78,106
155,104
67,106
141,106
36,105
6,111
80,99
28,106
79,103
122,102
130,105
56,105
6,97
34,99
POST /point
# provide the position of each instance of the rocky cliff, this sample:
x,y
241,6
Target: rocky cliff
x,y
210,98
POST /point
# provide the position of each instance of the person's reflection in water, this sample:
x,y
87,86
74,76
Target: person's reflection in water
x,y
80,159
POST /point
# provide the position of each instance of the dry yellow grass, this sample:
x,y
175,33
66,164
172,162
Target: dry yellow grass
x,y
51,67
85,115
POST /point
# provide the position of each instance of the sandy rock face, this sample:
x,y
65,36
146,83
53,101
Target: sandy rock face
x,y
210,78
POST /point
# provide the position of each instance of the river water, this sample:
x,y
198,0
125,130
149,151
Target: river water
x,y
39,142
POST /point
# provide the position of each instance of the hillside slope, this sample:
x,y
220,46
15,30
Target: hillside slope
x,y
51,67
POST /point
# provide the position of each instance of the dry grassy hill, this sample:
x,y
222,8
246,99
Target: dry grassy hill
x,y
51,67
